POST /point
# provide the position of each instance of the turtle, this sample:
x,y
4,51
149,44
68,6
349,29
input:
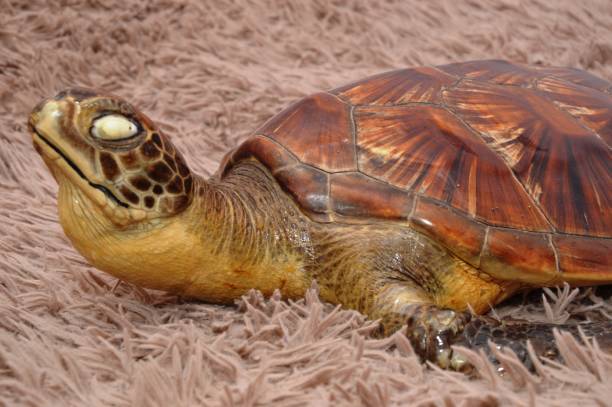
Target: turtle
x,y
421,197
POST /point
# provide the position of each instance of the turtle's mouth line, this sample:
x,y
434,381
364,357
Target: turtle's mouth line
x,y
72,165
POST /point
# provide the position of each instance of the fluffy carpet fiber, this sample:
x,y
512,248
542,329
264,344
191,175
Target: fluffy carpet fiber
x,y
210,72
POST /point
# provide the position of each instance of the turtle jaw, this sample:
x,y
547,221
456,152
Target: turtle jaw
x,y
47,124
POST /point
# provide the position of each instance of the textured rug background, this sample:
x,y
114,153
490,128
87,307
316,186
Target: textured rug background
x,y
210,72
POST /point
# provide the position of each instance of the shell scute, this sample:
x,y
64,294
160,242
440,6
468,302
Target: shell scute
x,y
519,256
308,186
372,199
271,154
591,107
317,130
396,87
584,259
555,158
428,150
575,76
454,230
493,71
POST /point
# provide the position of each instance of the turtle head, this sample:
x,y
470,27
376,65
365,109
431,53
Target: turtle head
x,y
113,154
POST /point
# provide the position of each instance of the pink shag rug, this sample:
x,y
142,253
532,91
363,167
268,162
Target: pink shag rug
x,y
210,72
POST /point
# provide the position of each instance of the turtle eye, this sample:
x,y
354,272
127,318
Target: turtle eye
x,y
114,127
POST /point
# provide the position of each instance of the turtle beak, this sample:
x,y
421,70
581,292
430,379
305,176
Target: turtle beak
x,y
48,126
44,122
48,123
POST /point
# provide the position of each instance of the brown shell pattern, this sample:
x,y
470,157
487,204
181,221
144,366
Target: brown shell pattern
x,y
506,165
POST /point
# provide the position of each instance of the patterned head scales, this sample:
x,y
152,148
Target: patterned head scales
x,y
116,148
152,176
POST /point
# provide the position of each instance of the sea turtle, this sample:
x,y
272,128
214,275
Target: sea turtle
x,y
411,196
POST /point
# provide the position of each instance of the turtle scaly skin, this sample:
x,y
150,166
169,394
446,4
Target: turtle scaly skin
x,y
411,196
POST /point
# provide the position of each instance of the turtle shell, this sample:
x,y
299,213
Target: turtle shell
x,y
505,165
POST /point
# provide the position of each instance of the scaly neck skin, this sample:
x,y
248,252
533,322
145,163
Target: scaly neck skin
x,y
238,233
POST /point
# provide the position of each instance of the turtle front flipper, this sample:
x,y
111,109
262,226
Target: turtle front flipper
x,y
431,330
405,280
397,304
